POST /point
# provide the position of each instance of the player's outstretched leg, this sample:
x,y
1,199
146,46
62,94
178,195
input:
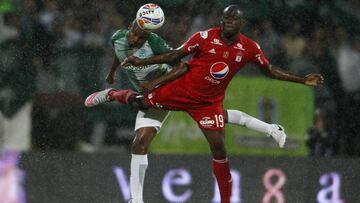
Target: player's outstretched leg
x,y
123,96
128,96
108,95
277,132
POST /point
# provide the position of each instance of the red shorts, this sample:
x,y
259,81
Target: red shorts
x,y
208,116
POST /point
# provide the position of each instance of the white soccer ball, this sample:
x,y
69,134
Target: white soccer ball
x,y
150,17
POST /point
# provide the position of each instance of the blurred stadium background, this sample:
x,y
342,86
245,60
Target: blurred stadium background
x,y
55,53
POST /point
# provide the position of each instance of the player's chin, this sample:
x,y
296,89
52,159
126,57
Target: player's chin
x,y
229,33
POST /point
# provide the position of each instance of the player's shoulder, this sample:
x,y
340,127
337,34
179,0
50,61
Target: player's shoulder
x,y
209,33
155,40
158,44
153,37
121,33
247,41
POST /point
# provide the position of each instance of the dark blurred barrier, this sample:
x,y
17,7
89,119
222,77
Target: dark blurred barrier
x,y
59,117
58,121
77,178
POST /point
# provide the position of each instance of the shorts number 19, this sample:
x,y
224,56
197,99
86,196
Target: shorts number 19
x,y
219,120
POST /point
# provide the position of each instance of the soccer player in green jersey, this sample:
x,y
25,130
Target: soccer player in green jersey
x,y
144,44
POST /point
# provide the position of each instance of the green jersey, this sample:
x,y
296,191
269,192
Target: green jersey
x,y
154,45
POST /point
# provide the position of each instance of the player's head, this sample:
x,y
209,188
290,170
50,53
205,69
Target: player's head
x,y
137,36
231,20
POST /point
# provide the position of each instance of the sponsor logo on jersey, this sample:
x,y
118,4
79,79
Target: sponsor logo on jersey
x,y
212,80
212,51
142,53
206,122
204,34
239,46
137,68
219,70
216,42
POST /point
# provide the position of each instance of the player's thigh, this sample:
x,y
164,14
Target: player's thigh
x,y
150,118
209,117
172,96
215,138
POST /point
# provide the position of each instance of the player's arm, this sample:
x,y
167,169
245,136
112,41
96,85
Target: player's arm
x,y
276,72
178,70
312,79
110,78
171,56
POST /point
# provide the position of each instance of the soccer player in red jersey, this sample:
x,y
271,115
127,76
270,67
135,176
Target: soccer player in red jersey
x,y
218,54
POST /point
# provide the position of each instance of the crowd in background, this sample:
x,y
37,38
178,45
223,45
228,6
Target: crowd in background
x,y
63,47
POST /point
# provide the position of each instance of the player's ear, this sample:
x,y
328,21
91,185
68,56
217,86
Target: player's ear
x,y
132,24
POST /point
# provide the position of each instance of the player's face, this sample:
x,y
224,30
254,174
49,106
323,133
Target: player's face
x,y
137,36
231,22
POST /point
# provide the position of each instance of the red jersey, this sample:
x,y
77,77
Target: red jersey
x,y
201,90
215,63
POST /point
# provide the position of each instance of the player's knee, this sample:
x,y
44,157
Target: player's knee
x,y
139,147
218,149
142,141
219,154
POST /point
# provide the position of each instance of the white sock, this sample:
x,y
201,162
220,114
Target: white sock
x,y
138,167
240,118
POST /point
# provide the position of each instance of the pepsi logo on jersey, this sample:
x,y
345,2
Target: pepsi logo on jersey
x,y
219,70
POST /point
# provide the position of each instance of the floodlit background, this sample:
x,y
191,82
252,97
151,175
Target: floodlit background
x,y
53,54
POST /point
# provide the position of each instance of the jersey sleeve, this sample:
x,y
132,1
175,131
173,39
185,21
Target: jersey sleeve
x,y
117,35
193,43
158,44
258,57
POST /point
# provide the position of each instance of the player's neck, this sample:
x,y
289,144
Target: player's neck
x,y
229,39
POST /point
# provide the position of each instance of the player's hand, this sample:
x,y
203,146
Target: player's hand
x,y
131,60
147,87
314,79
110,78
